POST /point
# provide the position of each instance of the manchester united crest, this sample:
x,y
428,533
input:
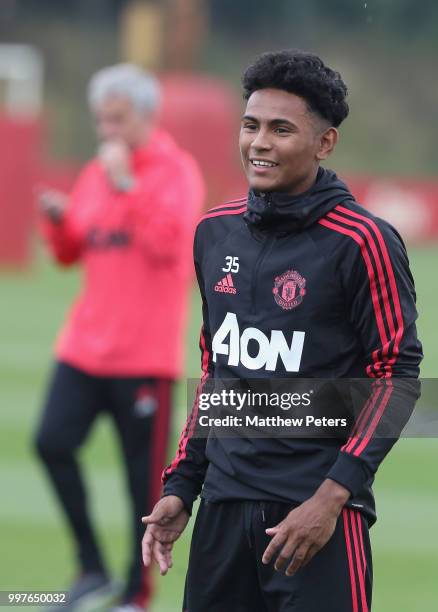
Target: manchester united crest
x,y
289,289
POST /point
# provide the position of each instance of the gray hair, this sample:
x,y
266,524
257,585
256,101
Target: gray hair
x,y
127,81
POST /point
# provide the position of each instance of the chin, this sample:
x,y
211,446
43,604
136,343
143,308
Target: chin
x,y
258,185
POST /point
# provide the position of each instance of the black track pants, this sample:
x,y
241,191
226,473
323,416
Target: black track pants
x,y
140,410
226,573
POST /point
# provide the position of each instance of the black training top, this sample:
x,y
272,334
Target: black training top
x,y
312,286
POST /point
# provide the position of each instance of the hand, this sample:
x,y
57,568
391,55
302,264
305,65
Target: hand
x,y
51,203
306,529
114,157
164,526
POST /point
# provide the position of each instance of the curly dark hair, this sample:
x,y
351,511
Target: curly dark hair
x,y
303,74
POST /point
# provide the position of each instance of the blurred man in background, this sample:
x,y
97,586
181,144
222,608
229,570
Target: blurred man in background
x,y
129,222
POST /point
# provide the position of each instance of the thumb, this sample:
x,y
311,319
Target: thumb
x,y
157,515
152,518
272,530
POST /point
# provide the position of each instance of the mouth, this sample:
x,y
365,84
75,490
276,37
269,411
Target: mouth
x,y
263,163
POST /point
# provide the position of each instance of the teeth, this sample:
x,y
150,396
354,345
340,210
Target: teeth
x,y
259,162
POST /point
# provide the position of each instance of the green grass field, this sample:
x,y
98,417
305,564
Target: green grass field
x,y
35,548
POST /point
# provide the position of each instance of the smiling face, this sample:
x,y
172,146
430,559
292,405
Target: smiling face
x,y
282,142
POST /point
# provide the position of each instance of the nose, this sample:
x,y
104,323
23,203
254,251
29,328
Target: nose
x,y
261,141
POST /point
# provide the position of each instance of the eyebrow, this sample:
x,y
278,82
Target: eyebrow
x,y
276,121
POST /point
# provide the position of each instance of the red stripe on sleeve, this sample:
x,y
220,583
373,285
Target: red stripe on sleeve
x,y
361,420
360,436
374,295
375,421
390,272
380,273
190,425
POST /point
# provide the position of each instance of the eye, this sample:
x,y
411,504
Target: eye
x,y
282,130
249,126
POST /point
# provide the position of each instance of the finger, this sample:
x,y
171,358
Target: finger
x,y
146,547
277,541
149,542
297,560
273,530
160,557
310,554
168,554
286,553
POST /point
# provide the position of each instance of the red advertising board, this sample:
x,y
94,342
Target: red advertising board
x,y
19,158
410,205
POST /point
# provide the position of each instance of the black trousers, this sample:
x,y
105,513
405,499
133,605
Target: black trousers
x,y
140,410
226,573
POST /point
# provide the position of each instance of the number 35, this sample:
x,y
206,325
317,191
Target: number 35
x,y
232,264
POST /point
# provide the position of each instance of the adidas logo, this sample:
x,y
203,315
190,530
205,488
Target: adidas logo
x,y
226,285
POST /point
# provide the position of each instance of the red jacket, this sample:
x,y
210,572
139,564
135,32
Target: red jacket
x,y
136,251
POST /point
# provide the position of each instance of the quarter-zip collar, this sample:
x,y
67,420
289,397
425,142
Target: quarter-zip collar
x,y
281,212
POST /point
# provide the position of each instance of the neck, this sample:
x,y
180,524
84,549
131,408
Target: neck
x,y
304,185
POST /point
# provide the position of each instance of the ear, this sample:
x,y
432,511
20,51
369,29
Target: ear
x,y
327,142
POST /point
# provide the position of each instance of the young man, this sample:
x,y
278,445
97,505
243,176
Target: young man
x,y
129,224
321,289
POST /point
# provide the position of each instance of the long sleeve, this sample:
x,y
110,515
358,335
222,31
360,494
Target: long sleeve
x,y
163,207
184,477
381,303
64,239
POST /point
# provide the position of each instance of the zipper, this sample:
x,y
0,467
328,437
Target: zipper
x,y
262,509
269,240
